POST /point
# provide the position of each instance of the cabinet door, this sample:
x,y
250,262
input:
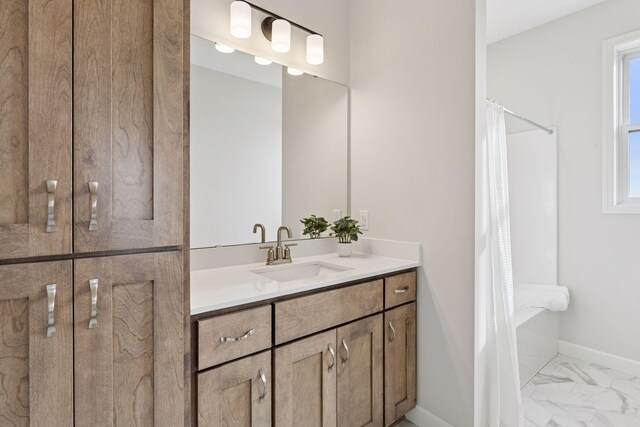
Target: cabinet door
x,y
129,353
35,127
237,394
305,380
399,362
128,116
36,344
360,372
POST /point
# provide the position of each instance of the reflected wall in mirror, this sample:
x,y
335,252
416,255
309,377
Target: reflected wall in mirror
x,y
266,147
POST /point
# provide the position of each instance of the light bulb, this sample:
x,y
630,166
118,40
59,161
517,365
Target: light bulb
x,y
224,48
262,61
281,36
315,49
240,22
294,71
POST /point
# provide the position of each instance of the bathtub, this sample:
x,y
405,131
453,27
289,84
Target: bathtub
x,y
537,337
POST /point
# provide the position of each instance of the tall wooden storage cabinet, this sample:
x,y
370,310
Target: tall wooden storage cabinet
x,y
35,127
92,142
128,119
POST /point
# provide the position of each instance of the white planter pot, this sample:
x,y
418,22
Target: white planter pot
x,y
345,249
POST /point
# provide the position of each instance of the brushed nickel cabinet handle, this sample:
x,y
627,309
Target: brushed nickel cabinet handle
x,y
240,338
51,310
263,380
346,350
93,190
401,290
333,357
93,321
52,184
393,330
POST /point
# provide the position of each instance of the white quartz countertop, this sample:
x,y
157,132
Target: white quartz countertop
x,y
217,288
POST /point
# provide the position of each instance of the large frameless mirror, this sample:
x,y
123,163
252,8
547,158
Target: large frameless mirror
x,y
267,147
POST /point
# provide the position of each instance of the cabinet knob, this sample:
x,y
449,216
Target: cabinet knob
x,y
51,310
52,184
93,286
93,191
401,290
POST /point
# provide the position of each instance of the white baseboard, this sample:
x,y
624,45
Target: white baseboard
x,y
423,418
598,357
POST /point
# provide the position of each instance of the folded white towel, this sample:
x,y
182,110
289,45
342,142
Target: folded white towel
x,y
551,297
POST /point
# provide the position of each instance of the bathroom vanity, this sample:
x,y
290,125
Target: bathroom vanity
x,y
329,349
280,336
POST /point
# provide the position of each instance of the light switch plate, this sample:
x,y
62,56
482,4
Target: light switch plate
x,y
364,220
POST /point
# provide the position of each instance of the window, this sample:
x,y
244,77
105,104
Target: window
x,y
621,112
632,127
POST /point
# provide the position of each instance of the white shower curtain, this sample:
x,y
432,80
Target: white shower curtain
x,y
504,400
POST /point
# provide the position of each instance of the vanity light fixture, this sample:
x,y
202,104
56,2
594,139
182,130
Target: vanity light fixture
x,y
315,49
276,29
294,71
263,61
223,48
240,22
281,35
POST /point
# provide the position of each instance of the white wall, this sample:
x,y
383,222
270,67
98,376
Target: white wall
x,y
412,166
328,17
315,145
553,74
236,158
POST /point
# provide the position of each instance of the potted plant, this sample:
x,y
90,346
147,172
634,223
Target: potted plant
x,y
314,226
346,230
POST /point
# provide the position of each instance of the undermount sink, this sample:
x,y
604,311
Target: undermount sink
x,y
290,272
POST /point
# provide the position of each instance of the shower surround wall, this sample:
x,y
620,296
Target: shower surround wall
x,y
553,73
533,201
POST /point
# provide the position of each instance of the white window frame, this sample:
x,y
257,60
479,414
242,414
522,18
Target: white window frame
x,y
616,54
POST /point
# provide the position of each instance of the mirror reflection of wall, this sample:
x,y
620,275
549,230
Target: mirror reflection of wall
x,y
266,147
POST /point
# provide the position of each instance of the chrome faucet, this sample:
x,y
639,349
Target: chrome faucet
x,y
281,254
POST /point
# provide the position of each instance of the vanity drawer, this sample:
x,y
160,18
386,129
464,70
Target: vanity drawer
x,y
399,289
230,336
302,316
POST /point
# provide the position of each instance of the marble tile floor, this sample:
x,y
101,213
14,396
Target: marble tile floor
x,y
406,423
569,392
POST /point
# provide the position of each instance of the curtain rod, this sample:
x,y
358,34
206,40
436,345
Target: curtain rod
x,y
531,122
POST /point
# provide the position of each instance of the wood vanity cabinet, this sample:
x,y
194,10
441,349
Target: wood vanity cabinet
x,y
305,382
400,362
332,378
334,363
36,344
236,394
360,392
129,340
35,128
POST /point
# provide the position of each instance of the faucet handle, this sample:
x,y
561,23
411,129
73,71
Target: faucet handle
x,y
287,251
271,255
